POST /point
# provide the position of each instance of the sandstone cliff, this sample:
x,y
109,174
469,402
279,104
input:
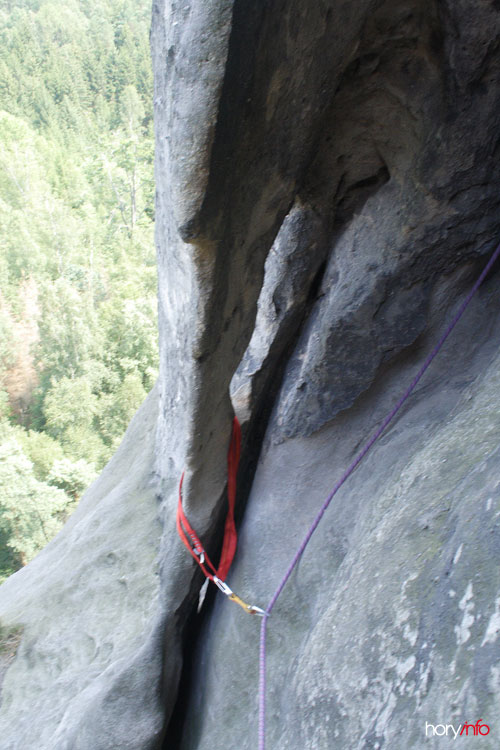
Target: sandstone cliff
x,y
327,191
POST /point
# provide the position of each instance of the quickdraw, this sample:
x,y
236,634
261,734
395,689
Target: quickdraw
x,y
192,542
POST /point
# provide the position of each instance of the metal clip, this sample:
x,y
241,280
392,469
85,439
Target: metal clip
x,y
249,608
253,610
222,586
201,555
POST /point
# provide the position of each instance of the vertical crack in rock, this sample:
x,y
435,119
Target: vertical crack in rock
x,y
208,286
389,189
362,184
294,271
295,247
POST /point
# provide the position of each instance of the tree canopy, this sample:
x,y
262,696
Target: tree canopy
x,y
78,327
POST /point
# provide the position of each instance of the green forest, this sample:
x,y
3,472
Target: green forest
x,y
78,327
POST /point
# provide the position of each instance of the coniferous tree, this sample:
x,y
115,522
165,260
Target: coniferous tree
x,y
76,229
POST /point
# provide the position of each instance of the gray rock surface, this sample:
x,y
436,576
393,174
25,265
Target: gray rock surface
x,y
88,663
327,188
391,618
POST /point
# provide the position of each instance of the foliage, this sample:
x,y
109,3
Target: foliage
x,y
71,476
31,512
41,449
76,222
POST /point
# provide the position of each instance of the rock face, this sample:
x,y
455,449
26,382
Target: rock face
x,y
391,618
327,191
80,623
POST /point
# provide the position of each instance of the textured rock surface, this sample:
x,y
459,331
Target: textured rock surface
x,y
88,666
391,619
327,187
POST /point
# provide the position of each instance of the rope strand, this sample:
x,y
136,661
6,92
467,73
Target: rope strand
x,y
342,480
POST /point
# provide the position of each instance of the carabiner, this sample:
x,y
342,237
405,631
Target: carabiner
x,y
253,610
249,608
222,586
200,554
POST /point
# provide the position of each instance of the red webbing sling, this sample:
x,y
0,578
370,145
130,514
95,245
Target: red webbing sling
x,y
192,541
230,536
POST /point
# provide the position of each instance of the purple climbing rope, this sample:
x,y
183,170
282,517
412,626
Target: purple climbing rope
x,y
345,476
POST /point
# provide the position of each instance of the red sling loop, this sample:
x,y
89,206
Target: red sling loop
x,y
230,540
192,542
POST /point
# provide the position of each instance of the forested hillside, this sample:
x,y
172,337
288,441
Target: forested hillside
x,y
78,330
